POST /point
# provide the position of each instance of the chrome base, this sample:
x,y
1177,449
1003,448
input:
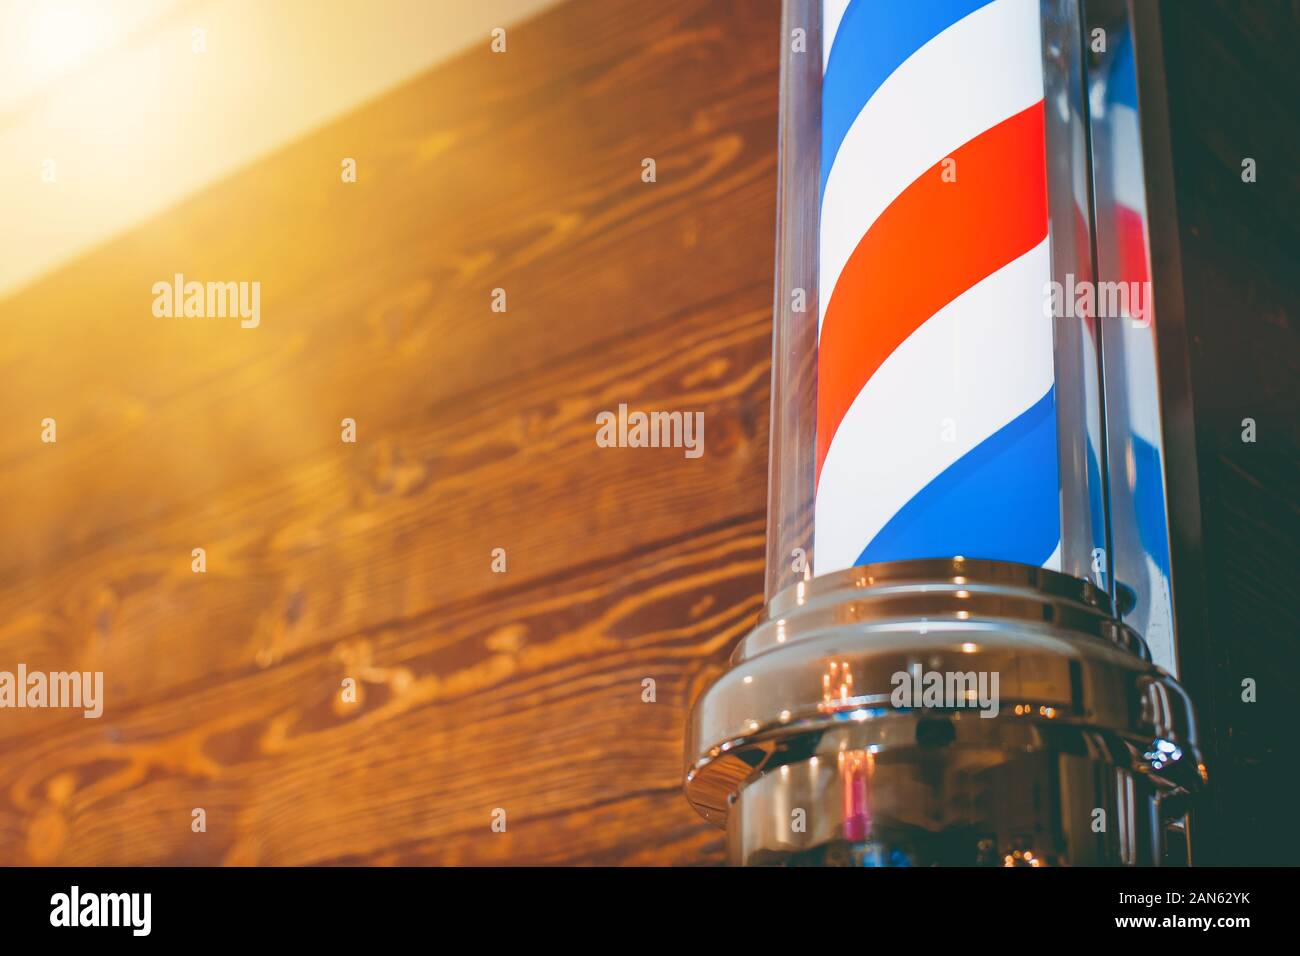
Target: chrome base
x,y
809,751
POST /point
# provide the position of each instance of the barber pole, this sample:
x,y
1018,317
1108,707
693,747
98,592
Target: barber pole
x,y
936,424
946,454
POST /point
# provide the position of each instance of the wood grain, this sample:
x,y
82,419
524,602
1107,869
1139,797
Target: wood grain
x,y
521,690
1232,95
532,704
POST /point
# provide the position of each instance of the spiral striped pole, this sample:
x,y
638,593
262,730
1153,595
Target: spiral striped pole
x,y
936,422
1139,359
1122,244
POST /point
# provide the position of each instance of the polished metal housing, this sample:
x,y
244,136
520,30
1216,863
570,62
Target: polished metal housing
x,y
804,750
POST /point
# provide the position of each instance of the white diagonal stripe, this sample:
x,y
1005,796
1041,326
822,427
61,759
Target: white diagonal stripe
x,y
980,361
980,71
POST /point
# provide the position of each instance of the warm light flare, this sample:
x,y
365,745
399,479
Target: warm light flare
x,y
51,37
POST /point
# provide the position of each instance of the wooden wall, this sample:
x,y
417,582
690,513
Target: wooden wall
x,y
1234,94
522,690
476,430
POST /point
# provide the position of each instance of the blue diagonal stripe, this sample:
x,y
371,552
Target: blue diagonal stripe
x,y
874,38
1121,84
1149,501
997,501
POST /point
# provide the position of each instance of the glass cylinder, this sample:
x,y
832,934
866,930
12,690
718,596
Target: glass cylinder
x,y
944,389
1137,510
934,392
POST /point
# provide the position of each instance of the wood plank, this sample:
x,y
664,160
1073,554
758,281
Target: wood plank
x,y
532,704
1232,95
404,522
476,430
519,172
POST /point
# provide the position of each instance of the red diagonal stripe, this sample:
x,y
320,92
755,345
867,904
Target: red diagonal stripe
x,y
935,241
